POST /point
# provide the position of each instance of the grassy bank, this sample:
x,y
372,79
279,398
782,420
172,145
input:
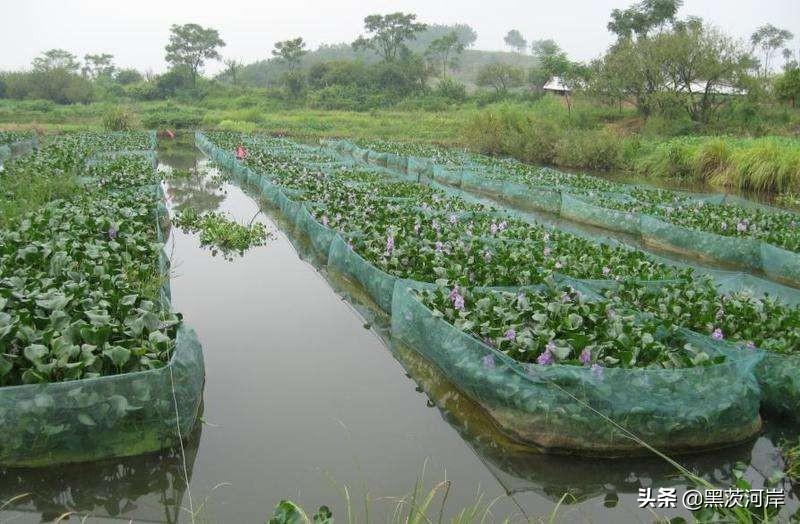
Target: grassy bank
x,y
585,135
769,163
244,115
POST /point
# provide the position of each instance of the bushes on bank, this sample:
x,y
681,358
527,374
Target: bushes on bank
x,y
539,134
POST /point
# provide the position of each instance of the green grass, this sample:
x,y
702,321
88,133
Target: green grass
x,y
587,136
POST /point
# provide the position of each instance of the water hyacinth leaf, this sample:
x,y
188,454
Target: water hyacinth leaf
x,y
6,324
287,512
118,355
35,352
52,301
5,367
86,420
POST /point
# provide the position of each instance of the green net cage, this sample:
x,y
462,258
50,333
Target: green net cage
x,y
575,409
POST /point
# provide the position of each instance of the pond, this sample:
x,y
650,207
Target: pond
x,y
305,397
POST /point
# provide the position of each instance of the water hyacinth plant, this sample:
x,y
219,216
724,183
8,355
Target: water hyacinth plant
x,y
222,234
557,325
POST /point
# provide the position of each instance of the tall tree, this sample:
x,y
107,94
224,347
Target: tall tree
x,y
99,66
290,51
515,40
190,45
445,50
388,34
643,17
500,76
692,68
769,38
232,69
56,59
552,60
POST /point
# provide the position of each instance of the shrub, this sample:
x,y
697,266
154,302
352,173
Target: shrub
x,y
120,119
452,90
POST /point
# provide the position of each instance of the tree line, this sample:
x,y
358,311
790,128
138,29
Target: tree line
x,y
660,63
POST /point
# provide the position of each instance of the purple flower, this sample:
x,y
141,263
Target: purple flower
x,y
453,218
493,228
458,300
511,334
741,227
546,237
559,265
502,226
416,227
488,361
611,313
546,358
724,226
487,256
488,341
325,220
547,251
566,298
586,356
458,303
389,244
606,270
717,334
435,225
597,370
750,345
112,233
439,246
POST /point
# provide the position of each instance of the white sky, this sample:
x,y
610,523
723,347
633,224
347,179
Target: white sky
x,y
136,32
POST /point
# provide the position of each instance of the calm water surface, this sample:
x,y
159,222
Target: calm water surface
x,y
301,400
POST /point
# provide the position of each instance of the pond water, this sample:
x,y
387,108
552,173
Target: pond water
x,y
304,398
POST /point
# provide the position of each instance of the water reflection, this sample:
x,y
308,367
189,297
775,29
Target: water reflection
x,y
196,191
145,488
521,469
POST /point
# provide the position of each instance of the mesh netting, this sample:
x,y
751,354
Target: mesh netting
x,y
737,252
672,409
110,416
562,407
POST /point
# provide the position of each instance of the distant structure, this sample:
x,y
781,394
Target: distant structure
x,y
555,85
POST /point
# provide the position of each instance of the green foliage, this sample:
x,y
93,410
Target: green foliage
x,y
560,326
171,116
500,77
643,17
128,76
287,512
445,50
290,51
190,45
221,234
515,40
452,90
693,68
791,454
787,86
388,34
120,119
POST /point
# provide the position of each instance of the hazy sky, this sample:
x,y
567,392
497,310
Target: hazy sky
x,y
135,32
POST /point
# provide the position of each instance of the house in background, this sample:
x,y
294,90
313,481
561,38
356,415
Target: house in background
x,y
556,86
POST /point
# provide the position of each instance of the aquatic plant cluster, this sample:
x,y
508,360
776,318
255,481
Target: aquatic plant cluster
x,y
430,235
548,357
222,234
772,225
81,278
